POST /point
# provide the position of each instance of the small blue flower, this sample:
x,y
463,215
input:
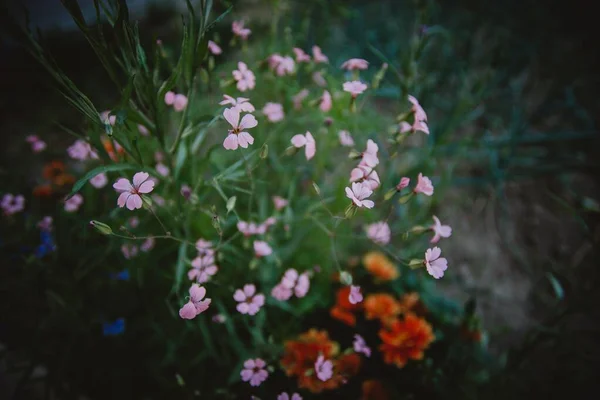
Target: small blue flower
x,y
114,328
120,276
47,245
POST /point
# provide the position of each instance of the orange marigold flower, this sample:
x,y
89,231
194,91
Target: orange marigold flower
x,y
110,149
405,340
53,169
300,356
343,310
380,266
373,389
381,306
42,191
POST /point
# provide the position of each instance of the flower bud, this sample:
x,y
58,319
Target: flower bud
x,y
101,227
345,278
328,121
317,189
389,194
264,151
186,191
404,182
354,155
404,199
290,151
231,203
415,263
419,229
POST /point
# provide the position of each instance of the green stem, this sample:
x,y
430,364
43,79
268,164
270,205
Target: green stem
x,y
182,123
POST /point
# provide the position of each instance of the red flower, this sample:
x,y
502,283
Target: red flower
x,y
405,340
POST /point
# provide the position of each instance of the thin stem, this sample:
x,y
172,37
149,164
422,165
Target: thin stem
x,y
155,237
182,123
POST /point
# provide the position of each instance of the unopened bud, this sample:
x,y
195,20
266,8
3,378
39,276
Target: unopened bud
x,y
290,151
264,151
317,189
345,278
415,263
354,155
186,191
389,194
404,199
404,182
328,121
101,227
418,229
350,211
231,203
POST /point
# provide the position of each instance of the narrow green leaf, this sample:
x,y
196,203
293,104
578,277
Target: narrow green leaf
x,y
218,19
104,168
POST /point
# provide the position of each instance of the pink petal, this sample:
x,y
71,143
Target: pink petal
x,y
231,142
146,187
239,295
435,253
202,306
249,290
248,121
245,138
134,201
122,200
310,150
232,116
122,185
140,178
243,308
197,293
368,203
188,311
299,140
249,364
247,374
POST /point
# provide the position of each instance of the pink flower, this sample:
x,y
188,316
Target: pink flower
x,y
355,88
73,204
345,139
131,194
204,247
299,98
440,231
420,114
318,55
244,77
106,118
281,293
367,175
279,202
169,98
237,27
143,130
355,295
285,396
133,222
129,251
37,145
99,181
369,156
248,302
359,193
241,104
81,150
323,369
254,371
237,136
355,63
318,78
325,104
197,304
306,140
214,48
290,283
262,249
180,102
273,112
249,229
379,232
281,65
301,56
416,126
162,169
147,245
424,185
435,264
360,346
203,267
186,191
45,224
404,182
12,204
